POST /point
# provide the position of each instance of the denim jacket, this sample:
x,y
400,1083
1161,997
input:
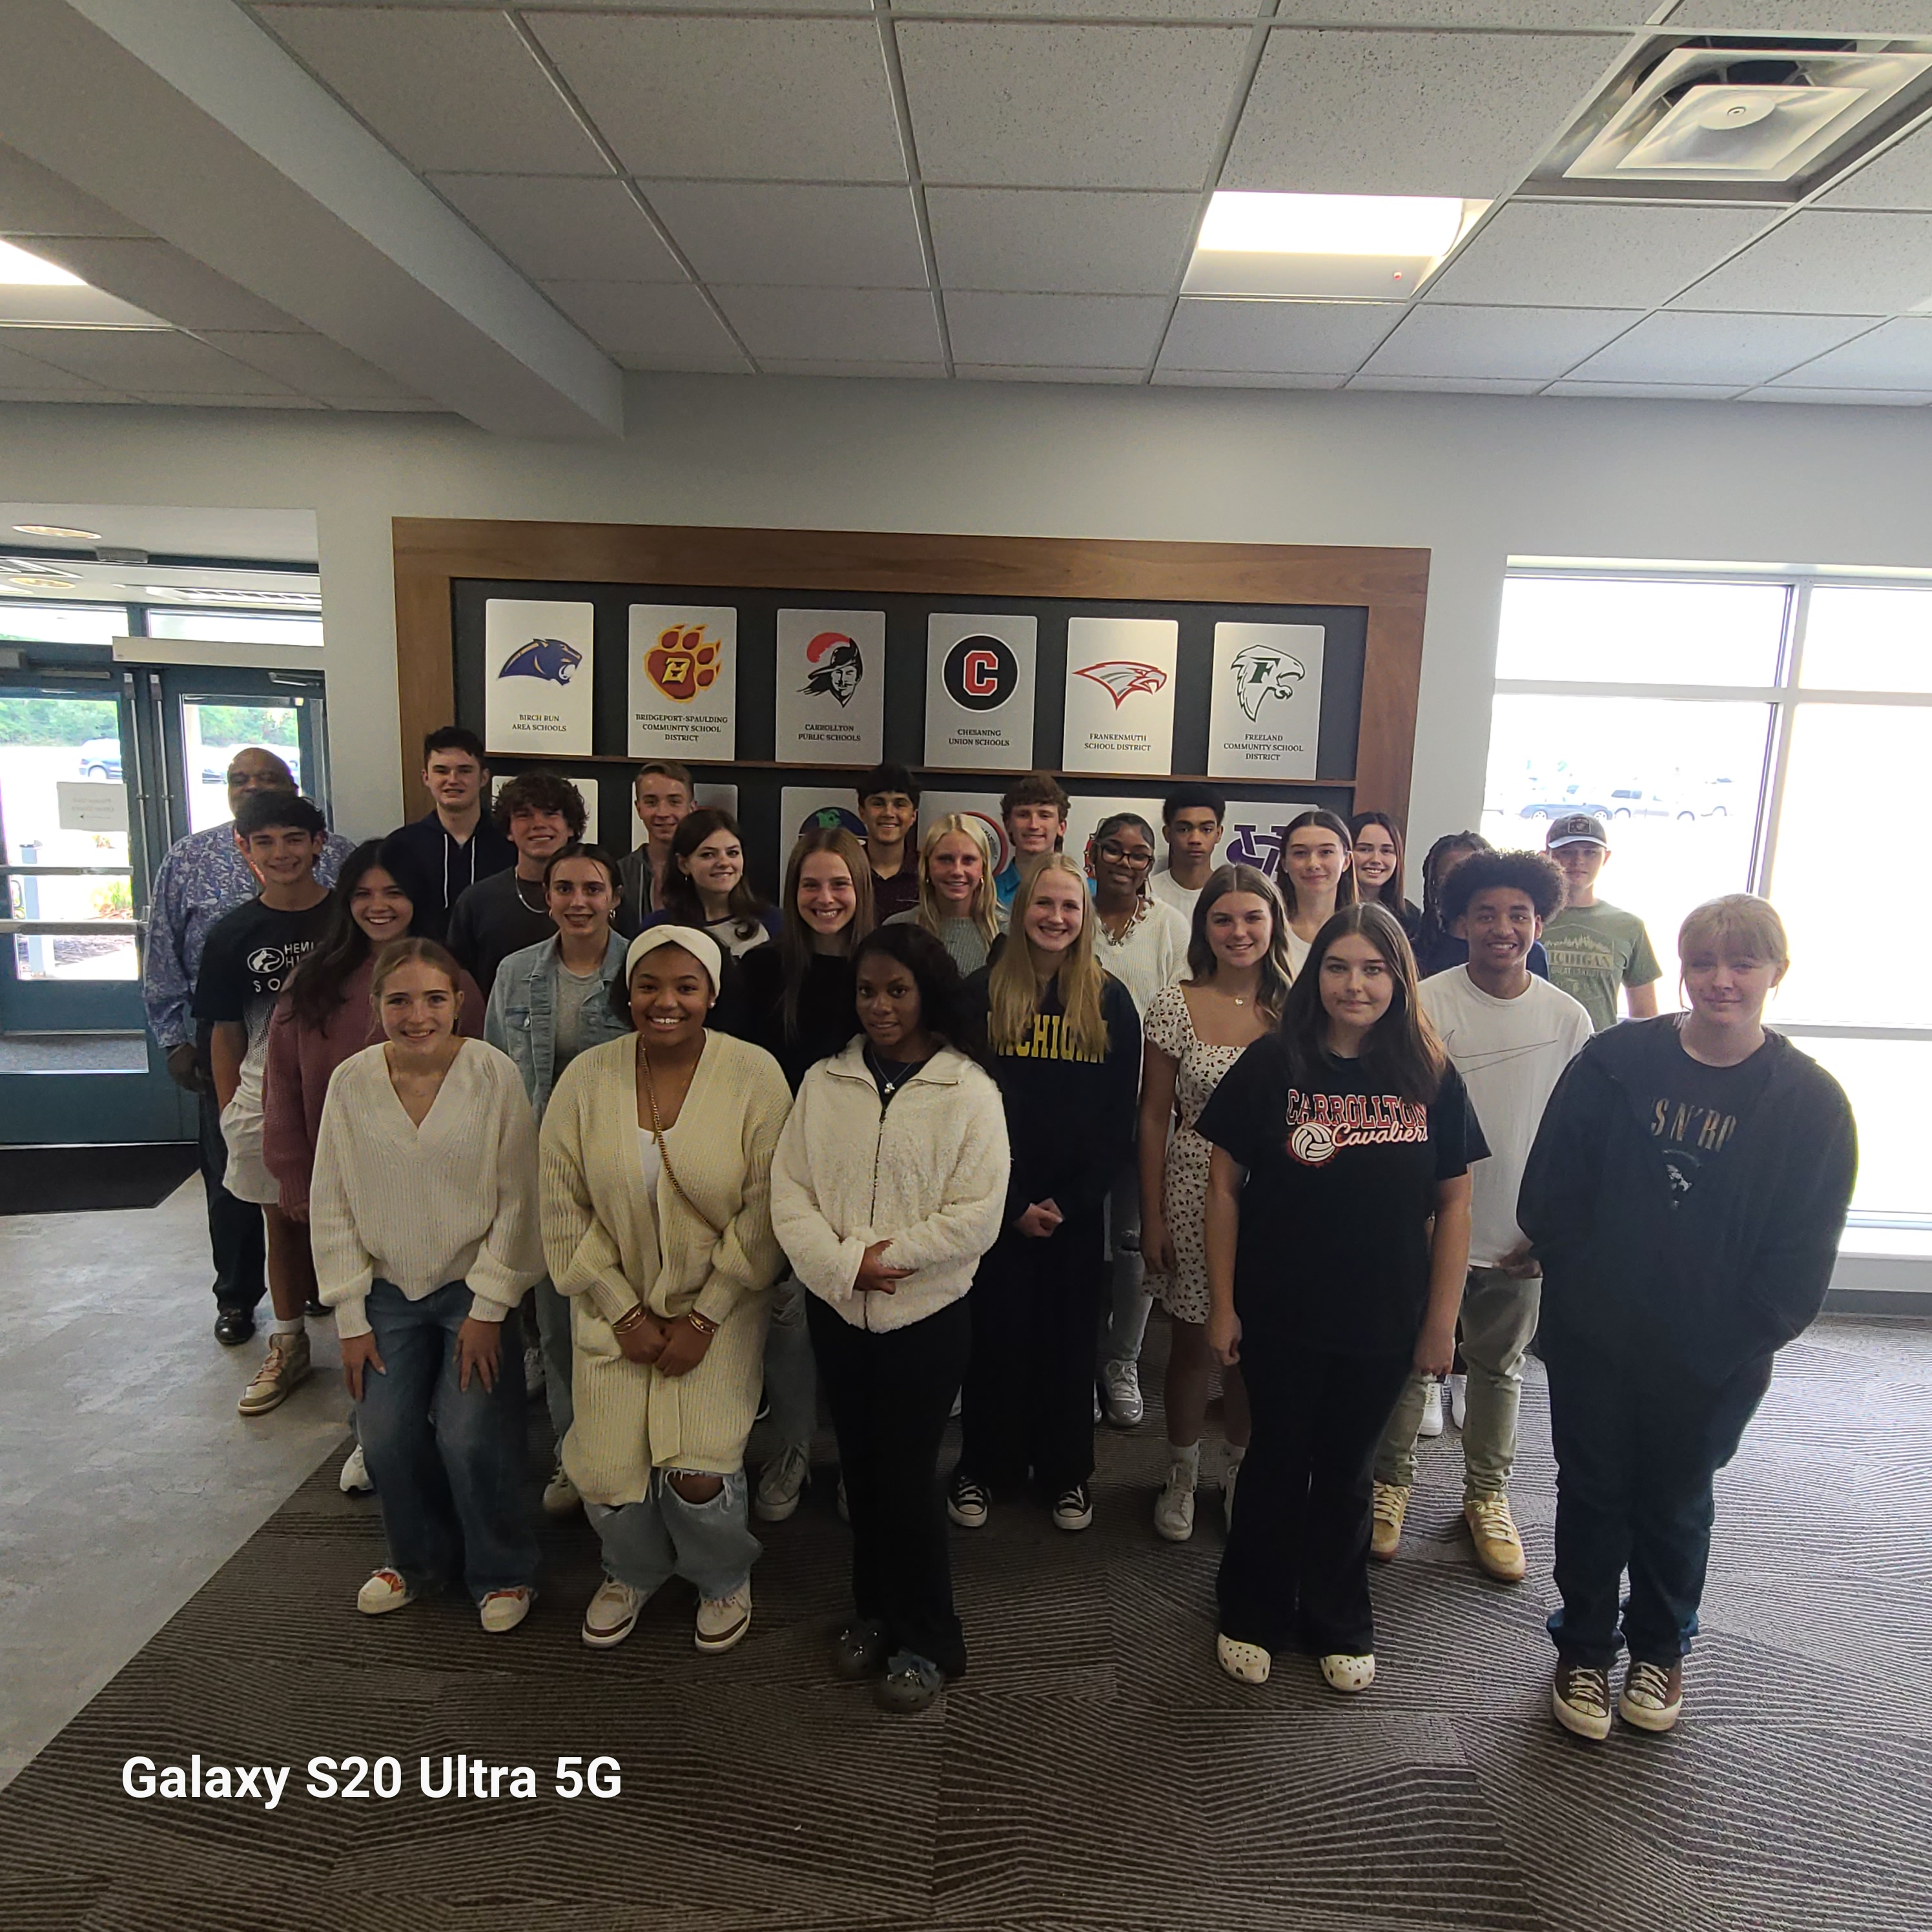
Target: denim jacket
x,y
521,1018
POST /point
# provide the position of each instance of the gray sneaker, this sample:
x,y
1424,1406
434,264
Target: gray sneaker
x,y
1121,1393
781,1484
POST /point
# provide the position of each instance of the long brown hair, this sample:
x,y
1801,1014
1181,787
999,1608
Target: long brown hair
x,y
1204,962
1389,891
1400,1052
1329,821
932,909
795,936
680,895
1013,992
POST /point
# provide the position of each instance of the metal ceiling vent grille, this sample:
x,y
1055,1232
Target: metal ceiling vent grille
x,y
1738,115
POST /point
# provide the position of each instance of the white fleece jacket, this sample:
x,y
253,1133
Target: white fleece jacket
x,y
927,1171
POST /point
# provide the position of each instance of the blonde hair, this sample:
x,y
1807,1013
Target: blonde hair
x,y
411,950
1013,992
1741,919
985,910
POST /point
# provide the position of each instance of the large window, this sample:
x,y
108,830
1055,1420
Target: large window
x,y
1747,735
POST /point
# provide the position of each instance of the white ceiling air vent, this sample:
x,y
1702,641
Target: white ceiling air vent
x,y
1758,115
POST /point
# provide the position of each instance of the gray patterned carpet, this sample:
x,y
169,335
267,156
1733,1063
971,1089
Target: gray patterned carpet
x,y
1097,1774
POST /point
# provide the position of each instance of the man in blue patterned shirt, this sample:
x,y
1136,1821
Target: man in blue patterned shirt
x,y
204,877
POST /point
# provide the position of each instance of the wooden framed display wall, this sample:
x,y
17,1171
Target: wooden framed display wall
x,y
776,661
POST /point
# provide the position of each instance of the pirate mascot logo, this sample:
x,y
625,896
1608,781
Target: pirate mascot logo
x,y
834,666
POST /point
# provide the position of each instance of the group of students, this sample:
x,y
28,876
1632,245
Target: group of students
x,y
736,1154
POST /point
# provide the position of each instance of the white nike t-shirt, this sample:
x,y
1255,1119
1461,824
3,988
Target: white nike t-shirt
x,y
1511,1054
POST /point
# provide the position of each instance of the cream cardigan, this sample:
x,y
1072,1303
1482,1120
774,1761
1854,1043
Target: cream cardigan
x,y
929,1171
454,1199
611,1243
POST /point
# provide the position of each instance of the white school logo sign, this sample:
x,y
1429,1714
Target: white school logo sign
x,y
537,662
1120,694
979,692
684,688
1264,714
831,687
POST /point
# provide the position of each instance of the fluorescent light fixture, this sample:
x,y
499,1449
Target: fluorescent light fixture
x,y
1325,248
43,583
1331,224
19,269
58,530
267,600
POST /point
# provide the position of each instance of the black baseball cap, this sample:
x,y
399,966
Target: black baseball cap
x,y
1579,828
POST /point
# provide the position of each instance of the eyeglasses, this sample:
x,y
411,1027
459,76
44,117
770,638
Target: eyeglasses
x,y
1119,855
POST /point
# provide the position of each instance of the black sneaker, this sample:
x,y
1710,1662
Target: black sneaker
x,y
910,1683
859,1651
968,1503
1073,1509
234,1326
314,1310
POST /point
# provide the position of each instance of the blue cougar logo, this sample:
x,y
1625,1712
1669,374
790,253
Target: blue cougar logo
x,y
548,658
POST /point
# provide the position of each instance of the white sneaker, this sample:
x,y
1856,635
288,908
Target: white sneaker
x,y
384,1590
1174,1507
722,1622
284,1369
612,1614
780,1482
356,1480
1120,1392
559,1495
1431,1424
503,1610
1459,1399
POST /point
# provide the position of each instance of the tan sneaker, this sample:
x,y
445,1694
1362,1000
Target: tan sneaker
x,y
284,1367
1391,1505
1492,1529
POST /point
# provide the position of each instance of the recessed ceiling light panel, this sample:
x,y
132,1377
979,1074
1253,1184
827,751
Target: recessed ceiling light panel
x,y
272,600
19,269
58,530
1372,247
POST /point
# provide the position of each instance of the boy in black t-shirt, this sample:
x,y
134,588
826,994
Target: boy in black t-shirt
x,y
251,955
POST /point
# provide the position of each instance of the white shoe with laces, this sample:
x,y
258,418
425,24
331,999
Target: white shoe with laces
x,y
612,1614
384,1591
1459,1399
560,1496
1121,1393
503,1610
722,1622
781,1484
356,1480
1431,1424
1174,1507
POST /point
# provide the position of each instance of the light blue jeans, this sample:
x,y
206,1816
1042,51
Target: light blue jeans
x,y
791,1372
552,1314
708,1544
1128,1302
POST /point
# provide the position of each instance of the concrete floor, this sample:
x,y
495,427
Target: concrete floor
x,y
127,1479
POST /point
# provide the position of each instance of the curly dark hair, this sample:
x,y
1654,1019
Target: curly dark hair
x,y
1538,879
541,791
942,1004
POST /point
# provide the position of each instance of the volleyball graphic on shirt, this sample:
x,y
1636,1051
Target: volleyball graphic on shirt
x,y
1312,1143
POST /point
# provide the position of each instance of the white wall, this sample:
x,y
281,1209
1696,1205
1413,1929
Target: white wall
x,y
1473,479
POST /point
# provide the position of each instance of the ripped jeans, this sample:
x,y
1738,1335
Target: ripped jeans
x,y
709,1544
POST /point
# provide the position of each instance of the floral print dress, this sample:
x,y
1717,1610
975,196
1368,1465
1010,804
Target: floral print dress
x,y
1198,1069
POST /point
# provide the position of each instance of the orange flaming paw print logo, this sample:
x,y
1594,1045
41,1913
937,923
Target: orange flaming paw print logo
x,y
682,664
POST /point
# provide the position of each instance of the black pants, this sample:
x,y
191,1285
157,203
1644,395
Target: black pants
x,y
235,1230
1297,1563
1636,1449
890,1395
1030,1386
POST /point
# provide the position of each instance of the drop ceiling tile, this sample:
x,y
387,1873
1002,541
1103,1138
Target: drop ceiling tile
x,y
1890,398
158,277
1112,9
23,377
414,406
221,401
1505,344
769,99
1446,385
1060,240
446,89
1276,337
35,201
1674,346
1380,113
1071,331
869,371
1827,263
782,232
648,324
835,325
1804,16
1241,379
1457,14
1901,177
559,228
147,362
1666,392
977,372
310,364
1896,355
1597,255
1027,105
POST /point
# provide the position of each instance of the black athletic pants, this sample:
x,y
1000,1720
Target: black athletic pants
x,y
1296,1569
890,1394
234,1229
1029,1397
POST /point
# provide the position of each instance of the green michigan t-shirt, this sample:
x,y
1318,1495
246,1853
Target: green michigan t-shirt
x,y
1595,949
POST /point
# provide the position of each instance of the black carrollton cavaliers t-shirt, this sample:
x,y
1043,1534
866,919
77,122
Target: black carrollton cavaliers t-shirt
x,y
1342,1181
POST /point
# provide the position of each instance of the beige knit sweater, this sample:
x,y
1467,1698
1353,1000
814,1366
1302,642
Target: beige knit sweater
x,y
454,1199
611,1242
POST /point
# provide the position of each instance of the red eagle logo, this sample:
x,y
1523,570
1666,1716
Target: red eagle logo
x,y
1120,679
